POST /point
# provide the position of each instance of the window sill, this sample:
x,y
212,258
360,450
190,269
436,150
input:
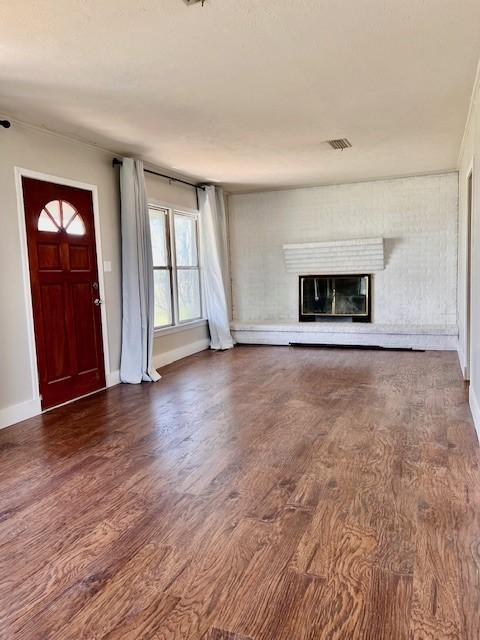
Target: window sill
x,y
180,327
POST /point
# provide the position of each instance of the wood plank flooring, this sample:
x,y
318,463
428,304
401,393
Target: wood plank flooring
x,y
259,494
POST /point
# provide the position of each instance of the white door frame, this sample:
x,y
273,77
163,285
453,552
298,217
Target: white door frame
x,y
468,272
28,173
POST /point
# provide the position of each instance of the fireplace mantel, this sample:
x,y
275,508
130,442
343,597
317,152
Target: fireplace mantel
x,y
357,256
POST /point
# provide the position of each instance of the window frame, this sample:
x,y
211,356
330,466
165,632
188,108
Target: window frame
x,y
168,266
170,212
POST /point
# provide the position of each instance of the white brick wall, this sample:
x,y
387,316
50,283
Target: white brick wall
x,y
416,216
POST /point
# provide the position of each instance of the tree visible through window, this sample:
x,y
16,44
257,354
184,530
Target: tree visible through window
x,y
176,270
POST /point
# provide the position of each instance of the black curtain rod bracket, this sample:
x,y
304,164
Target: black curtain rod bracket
x,y
117,162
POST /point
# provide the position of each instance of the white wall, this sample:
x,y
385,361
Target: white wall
x,y
416,216
465,166
470,157
37,150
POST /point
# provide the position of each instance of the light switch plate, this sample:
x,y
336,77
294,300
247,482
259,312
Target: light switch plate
x,y
107,265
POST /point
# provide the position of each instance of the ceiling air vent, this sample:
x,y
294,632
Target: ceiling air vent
x,y
341,143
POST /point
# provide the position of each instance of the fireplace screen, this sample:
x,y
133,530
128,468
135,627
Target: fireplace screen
x,y
334,296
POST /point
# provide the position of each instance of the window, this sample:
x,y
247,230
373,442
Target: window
x,y
60,214
176,270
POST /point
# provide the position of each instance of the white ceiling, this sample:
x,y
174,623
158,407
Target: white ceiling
x,y
245,92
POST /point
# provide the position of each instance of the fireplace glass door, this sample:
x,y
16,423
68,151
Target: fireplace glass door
x,y
334,296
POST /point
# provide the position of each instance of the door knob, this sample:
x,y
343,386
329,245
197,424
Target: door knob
x,y
98,302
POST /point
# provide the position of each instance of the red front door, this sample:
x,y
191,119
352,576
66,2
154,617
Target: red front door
x,y
65,293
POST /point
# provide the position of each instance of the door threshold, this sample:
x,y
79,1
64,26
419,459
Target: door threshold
x,y
86,395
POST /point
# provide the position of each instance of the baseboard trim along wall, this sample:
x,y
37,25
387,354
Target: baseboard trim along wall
x,y
18,412
162,359
475,409
463,363
112,378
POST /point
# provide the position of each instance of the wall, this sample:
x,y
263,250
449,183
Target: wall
x,y
416,216
31,148
470,157
465,166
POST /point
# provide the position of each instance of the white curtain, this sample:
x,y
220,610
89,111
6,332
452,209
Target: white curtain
x,y
137,277
213,224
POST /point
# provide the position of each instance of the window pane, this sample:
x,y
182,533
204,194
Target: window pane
x,y
188,294
60,214
45,223
185,241
68,211
53,208
76,226
158,231
163,298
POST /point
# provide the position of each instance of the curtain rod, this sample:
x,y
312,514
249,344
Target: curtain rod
x,y
118,162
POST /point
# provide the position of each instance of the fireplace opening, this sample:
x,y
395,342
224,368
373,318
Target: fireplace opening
x,y
345,297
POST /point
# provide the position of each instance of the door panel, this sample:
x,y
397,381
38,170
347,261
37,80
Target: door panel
x,y
48,257
64,281
55,332
84,319
79,258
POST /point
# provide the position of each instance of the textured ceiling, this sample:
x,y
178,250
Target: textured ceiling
x,y
245,92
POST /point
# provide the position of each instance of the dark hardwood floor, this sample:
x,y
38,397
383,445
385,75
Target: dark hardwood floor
x,y
259,494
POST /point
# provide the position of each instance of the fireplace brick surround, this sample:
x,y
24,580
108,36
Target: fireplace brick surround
x,y
414,298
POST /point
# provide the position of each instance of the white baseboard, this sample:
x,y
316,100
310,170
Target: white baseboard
x,y
463,363
18,412
461,358
475,409
112,378
162,359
